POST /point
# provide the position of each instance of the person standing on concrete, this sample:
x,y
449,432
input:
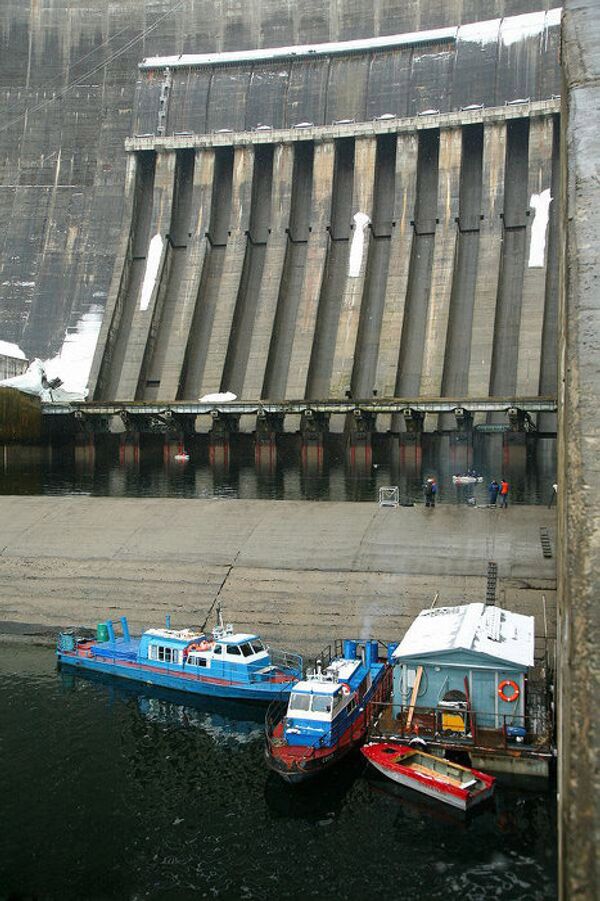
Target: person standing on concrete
x,y
504,493
430,491
493,490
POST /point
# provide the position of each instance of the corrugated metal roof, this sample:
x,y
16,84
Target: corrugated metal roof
x,y
490,631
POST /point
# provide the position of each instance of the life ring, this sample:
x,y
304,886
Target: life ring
x,y
515,691
346,690
205,645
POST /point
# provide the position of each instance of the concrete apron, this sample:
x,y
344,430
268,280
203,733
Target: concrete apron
x,y
299,573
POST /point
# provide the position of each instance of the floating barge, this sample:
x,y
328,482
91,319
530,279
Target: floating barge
x,y
224,663
467,682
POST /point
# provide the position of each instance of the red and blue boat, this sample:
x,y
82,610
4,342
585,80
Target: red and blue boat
x,y
328,712
224,663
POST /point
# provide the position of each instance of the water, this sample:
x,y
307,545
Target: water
x,y
114,794
530,472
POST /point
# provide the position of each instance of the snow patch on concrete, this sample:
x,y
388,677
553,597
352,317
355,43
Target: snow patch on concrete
x,y
537,246
8,349
518,28
223,397
152,264
481,33
73,362
361,220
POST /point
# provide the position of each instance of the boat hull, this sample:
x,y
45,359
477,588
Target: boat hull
x,y
146,675
464,804
311,767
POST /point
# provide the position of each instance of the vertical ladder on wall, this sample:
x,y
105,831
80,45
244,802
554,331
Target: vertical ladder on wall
x,y
492,581
163,106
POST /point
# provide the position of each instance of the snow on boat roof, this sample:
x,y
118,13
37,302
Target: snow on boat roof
x,y
184,635
481,629
236,638
509,30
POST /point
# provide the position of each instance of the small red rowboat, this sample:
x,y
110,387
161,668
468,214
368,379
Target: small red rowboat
x,y
433,776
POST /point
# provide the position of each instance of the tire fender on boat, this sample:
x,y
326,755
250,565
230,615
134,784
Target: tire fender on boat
x,y
508,683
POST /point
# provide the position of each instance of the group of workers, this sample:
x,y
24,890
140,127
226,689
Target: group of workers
x,y
496,489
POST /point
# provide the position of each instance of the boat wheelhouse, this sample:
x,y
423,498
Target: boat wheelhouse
x,y
328,712
224,663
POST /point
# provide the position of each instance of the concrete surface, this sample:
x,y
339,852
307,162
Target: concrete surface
x,y
579,458
300,573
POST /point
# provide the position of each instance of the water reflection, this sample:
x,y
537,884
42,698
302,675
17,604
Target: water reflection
x,y
293,472
139,795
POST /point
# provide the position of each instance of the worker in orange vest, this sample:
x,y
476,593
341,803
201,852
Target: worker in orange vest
x,y
504,493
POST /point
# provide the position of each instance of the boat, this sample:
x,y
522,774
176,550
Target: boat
x,y
466,479
328,712
224,663
435,777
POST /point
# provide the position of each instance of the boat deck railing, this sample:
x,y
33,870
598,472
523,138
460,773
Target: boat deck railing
x,y
285,660
532,733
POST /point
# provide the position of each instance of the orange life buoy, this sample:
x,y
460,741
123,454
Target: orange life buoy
x,y
346,690
515,691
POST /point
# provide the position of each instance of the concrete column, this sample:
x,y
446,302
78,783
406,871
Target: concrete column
x,y
407,146
534,282
243,165
313,274
281,196
146,302
204,165
122,260
443,261
365,150
579,459
488,265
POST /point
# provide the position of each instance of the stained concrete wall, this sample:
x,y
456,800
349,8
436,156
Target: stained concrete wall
x,y
68,72
579,458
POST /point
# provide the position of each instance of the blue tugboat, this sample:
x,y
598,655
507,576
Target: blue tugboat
x,y
224,664
328,712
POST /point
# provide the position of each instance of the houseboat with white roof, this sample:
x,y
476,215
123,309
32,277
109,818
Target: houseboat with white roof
x,y
224,663
328,712
467,679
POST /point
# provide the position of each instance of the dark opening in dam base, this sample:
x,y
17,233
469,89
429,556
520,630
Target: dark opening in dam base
x,y
158,798
285,469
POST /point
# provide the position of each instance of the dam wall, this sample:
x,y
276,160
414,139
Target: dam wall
x,y
71,94
349,220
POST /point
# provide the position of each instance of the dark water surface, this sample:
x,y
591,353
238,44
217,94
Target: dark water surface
x,y
530,470
114,794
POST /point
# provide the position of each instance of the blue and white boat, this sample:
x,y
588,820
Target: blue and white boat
x,y
328,712
224,664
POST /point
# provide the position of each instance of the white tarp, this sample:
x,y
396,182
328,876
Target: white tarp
x,y
35,381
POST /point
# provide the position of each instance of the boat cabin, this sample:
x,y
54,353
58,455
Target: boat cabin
x,y
321,705
468,663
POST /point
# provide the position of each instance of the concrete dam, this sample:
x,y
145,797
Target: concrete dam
x,y
361,219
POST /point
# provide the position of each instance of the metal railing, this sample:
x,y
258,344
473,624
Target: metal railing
x,y
285,660
487,731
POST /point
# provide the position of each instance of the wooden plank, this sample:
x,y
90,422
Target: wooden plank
x,y
413,697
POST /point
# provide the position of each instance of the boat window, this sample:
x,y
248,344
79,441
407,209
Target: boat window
x,y
299,701
161,653
218,649
257,646
167,655
197,661
321,703
233,649
152,652
246,649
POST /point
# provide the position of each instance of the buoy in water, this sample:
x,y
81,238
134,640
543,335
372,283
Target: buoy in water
x,y
181,456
